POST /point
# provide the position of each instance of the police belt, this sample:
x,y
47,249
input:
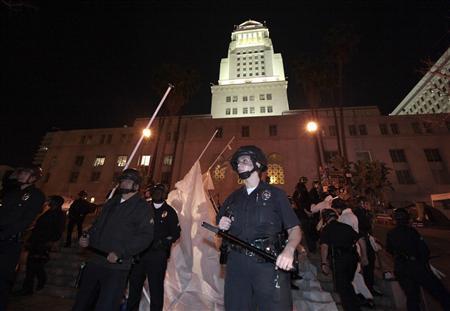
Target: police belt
x,y
269,245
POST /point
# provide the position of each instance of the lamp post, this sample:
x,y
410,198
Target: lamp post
x,y
312,128
146,133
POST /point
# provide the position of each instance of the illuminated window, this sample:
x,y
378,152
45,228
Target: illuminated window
x,y
219,171
121,160
168,160
275,169
145,160
99,161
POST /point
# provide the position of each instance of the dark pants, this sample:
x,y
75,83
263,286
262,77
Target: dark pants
x,y
9,257
344,272
153,266
368,270
37,258
252,285
72,222
412,275
108,284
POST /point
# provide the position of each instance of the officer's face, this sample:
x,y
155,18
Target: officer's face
x,y
244,164
25,177
127,184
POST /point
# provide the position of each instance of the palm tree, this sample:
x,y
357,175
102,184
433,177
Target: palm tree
x,y
186,81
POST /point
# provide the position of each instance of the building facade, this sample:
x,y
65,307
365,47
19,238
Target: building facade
x,y
432,93
251,80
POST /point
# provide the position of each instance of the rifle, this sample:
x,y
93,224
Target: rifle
x,y
235,240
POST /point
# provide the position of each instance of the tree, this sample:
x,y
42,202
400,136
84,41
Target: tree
x,y
370,179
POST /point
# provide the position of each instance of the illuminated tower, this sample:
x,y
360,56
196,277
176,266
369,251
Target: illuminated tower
x,y
251,79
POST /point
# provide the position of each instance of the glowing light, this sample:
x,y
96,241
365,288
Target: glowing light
x,y
92,200
147,133
312,126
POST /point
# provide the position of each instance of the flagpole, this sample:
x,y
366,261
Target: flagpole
x,y
149,124
207,145
220,154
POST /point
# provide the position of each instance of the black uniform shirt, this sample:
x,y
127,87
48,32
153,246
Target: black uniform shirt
x,y
264,212
166,224
338,234
406,241
125,228
19,209
364,220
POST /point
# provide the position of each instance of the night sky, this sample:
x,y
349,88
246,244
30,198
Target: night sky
x,y
88,64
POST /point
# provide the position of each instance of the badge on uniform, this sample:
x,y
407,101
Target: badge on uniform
x,y
26,196
164,214
265,195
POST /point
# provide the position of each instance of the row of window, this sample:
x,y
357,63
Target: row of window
x,y
250,58
105,139
398,155
249,52
256,74
245,131
121,160
248,110
387,128
246,98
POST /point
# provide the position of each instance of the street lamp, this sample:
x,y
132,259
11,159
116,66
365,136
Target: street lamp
x,y
147,133
312,126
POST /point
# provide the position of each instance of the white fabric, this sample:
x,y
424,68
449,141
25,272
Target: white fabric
x,y
250,190
347,217
193,279
158,205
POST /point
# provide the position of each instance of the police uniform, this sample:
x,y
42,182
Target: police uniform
x,y
251,283
343,259
77,212
125,228
411,266
153,262
19,209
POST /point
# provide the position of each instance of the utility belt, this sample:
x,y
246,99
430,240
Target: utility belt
x,y
273,245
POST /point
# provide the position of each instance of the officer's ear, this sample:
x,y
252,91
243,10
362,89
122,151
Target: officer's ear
x,y
258,165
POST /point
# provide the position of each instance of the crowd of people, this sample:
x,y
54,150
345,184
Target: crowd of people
x,y
132,236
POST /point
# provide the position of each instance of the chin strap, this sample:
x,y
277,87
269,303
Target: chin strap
x,y
245,175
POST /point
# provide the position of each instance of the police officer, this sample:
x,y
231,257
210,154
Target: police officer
x,y
48,228
123,229
153,261
19,208
411,266
338,254
77,212
258,213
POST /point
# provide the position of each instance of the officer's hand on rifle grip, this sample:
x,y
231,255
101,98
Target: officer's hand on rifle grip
x,y
112,258
84,240
224,223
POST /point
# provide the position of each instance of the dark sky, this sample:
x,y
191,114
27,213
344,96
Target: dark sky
x,y
89,64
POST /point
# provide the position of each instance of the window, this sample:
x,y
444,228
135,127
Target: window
x,y
362,129
99,161
332,130
397,155
269,109
383,129
252,110
262,109
432,155
245,131
252,98
234,110
168,160
79,160
145,160
394,129
244,98
269,96
228,111
102,139
73,177
428,127
352,130
95,176
83,140
165,177
168,136
273,131
416,128
404,177
109,138
238,75
235,99
122,160
363,156
219,133
262,96
245,110
228,99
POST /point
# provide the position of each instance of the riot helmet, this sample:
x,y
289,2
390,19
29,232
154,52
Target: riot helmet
x,y
159,193
133,175
255,154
